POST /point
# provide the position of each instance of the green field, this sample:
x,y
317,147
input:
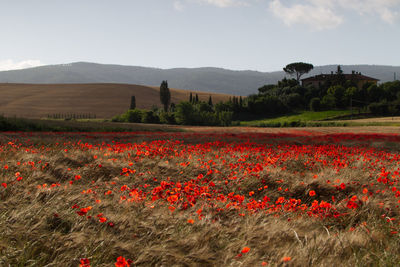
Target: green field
x,y
306,116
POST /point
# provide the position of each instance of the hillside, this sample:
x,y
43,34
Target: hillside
x,y
199,79
104,100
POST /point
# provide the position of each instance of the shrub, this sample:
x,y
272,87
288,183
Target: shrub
x,y
205,107
315,104
208,118
380,108
118,118
150,116
133,115
185,113
225,118
167,118
328,102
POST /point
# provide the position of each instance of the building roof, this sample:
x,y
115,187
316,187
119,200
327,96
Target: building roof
x,y
353,76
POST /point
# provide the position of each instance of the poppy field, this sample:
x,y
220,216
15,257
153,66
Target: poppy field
x,y
199,199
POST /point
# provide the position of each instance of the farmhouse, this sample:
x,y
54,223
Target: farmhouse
x,y
355,77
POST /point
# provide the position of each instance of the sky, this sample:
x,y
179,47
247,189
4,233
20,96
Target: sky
x,y
263,35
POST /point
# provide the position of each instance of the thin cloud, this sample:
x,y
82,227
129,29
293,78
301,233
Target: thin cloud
x,y
223,3
9,64
318,17
178,5
324,14
387,10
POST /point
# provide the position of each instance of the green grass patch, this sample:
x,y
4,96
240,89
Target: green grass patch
x,y
299,119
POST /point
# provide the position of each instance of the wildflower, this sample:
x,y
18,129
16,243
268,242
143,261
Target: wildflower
x,y
83,211
84,262
312,193
286,259
171,208
122,262
245,249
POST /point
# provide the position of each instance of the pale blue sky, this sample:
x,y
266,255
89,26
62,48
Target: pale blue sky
x,y
262,35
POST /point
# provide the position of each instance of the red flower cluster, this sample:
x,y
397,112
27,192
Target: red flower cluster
x,y
228,173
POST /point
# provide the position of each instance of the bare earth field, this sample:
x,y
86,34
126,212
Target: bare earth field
x,y
203,197
104,100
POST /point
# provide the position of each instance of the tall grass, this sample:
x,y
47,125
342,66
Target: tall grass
x,y
39,227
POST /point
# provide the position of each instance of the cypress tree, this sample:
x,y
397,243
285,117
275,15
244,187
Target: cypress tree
x,y
191,98
133,102
197,99
210,101
165,95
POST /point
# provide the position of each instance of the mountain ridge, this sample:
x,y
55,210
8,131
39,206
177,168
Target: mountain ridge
x,y
206,79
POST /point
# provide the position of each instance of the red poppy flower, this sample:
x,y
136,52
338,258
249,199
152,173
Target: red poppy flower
x,y
84,262
245,249
122,262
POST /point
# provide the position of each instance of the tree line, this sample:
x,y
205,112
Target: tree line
x,y
190,112
338,91
286,96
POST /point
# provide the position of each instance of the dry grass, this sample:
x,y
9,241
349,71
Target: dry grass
x,y
38,227
377,119
104,100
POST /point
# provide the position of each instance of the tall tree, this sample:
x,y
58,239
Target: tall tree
x,y
340,79
191,97
133,102
298,69
165,95
210,103
196,99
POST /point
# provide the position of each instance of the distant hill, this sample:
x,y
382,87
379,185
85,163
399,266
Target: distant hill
x,y
199,79
102,100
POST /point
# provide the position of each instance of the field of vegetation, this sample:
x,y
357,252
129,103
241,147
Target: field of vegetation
x,y
300,117
199,199
329,118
